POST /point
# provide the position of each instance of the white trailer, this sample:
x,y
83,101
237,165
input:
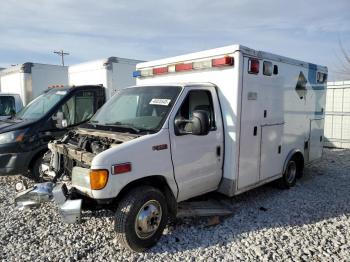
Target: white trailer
x,y
113,73
29,80
228,120
337,120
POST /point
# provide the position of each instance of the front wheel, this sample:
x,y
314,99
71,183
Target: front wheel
x,y
36,172
140,218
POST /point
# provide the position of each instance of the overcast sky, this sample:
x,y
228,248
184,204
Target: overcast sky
x,y
308,30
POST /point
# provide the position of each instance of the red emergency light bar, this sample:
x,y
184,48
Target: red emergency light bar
x,y
183,67
160,70
223,61
195,65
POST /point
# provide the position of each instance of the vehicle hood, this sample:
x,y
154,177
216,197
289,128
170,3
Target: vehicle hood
x,y
7,125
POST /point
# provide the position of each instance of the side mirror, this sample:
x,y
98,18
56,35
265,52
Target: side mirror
x,y
60,121
198,125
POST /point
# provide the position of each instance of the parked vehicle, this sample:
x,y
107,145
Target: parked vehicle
x,y
29,80
228,120
113,73
24,137
10,104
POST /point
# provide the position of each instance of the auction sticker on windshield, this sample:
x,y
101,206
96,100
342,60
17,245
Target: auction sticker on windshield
x,y
160,102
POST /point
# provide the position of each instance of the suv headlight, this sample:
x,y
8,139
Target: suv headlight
x,y
12,137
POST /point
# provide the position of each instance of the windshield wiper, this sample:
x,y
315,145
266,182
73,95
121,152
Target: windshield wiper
x,y
123,125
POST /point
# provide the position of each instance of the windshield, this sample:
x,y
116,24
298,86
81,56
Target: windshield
x,y
142,108
42,104
7,105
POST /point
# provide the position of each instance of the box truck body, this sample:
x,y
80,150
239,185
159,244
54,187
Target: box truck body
x,y
113,73
337,120
228,120
29,80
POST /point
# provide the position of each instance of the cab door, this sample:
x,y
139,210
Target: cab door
x,y
197,160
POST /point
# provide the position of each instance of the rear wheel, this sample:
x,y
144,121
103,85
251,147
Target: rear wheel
x,y
290,175
140,218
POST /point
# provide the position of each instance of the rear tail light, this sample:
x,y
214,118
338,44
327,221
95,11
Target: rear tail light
x,y
98,178
121,168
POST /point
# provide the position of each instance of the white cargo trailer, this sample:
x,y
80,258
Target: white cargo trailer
x,y
29,80
113,73
337,120
228,120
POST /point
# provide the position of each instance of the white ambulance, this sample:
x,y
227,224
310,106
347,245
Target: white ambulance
x,y
228,120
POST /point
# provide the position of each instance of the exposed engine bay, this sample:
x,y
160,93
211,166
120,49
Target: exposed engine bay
x,y
78,148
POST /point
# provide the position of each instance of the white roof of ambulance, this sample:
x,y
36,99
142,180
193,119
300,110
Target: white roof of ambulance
x,y
225,51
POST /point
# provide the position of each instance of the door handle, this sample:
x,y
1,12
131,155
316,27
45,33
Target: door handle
x,y
218,150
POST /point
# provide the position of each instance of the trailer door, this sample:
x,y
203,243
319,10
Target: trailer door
x,y
316,139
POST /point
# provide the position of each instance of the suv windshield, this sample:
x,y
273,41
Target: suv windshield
x,y
143,108
7,105
42,104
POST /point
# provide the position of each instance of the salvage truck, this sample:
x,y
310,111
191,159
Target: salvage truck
x,y
227,120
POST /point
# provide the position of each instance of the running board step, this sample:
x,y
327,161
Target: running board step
x,y
203,209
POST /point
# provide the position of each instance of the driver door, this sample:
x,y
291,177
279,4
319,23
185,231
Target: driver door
x,y
197,160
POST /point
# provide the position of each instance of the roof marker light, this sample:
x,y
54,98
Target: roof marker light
x,y
171,69
160,70
183,67
202,64
223,61
147,72
253,66
136,73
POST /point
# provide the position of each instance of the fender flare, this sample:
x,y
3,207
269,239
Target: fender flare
x,y
289,157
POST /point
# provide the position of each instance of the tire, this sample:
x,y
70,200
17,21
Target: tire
x,y
141,234
289,177
35,171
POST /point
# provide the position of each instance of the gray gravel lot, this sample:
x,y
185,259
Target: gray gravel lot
x,y
308,222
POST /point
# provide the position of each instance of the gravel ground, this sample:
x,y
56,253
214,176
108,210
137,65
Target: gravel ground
x,y
308,222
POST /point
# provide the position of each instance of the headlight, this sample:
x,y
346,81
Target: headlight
x,y
11,137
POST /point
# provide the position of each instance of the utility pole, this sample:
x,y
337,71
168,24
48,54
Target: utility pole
x,y
61,54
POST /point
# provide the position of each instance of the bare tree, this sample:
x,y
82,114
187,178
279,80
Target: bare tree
x,y
344,61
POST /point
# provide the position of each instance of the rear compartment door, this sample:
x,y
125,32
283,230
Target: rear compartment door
x,y
271,151
316,139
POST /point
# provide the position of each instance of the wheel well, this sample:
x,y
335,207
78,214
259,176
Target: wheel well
x,y
157,182
36,156
299,159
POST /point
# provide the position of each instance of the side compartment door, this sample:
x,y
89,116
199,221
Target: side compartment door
x,y
271,151
197,160
316,139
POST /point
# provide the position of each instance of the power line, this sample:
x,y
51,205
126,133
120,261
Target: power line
x,y
61,53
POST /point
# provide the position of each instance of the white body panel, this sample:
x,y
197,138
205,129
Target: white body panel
x,y
113,73
31,79
337,120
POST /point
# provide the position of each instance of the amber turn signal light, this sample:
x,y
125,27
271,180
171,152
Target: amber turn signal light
x,y
98,178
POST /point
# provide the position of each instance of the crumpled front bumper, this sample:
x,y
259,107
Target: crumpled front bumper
x,y
69,209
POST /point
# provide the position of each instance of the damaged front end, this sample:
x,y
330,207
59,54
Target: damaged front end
x,y
68,171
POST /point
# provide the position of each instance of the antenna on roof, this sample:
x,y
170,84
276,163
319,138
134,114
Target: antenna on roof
x,y
61,53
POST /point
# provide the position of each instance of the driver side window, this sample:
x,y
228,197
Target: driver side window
x,y
78,108
196,100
